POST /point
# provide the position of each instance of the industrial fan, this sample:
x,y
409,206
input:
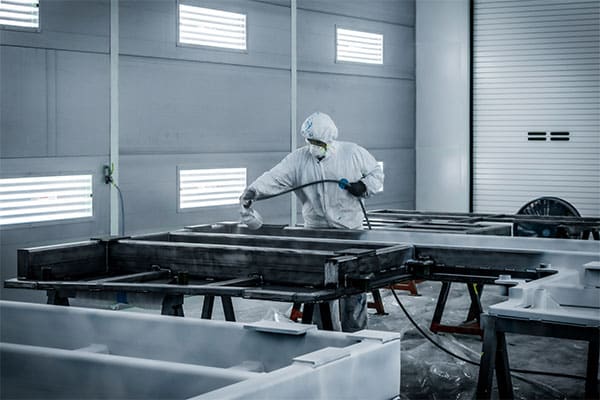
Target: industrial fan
x,y
548,206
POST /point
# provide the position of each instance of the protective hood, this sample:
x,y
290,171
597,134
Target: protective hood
x,y
319,126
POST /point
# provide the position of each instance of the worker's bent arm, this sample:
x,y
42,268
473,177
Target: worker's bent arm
x,y
279,178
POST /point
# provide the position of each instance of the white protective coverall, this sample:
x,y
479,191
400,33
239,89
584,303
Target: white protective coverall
x,y
326,205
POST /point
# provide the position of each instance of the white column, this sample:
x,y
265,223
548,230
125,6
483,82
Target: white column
x,y
293,102
114,114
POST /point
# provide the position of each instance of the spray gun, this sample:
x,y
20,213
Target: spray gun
x,y
250,216
254,221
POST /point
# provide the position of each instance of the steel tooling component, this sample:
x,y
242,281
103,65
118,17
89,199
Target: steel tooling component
x,y
458,217
440,226
414,238
300,262
472,223
71,260
288,264
285,264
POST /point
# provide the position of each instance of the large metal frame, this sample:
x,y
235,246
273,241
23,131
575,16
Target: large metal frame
x,y
275,263
119,262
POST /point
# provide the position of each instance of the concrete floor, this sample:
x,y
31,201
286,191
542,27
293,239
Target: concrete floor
x,y
427,372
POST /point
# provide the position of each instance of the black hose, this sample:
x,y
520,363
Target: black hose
x,y
270,196
337,182
365,213
439,346
122,208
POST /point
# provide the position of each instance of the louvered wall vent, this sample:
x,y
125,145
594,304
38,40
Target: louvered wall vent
x,y
359,47
210,187
45,198
20,13
215,28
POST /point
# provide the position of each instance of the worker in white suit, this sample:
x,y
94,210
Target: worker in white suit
x,y
325,205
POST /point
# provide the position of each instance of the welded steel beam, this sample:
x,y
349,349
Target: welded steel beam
x,y
72,260
505,259
300,243
440,227
275,265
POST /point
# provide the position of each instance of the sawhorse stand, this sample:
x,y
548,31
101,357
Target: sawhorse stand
x,y
377,302
472,324
495,355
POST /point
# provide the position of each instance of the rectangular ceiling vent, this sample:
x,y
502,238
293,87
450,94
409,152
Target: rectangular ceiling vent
x,y
359,47
45,198
215,28
20,13
210,187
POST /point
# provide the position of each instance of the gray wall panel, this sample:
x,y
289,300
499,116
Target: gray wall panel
x,y
399,183
442,110
82,104
149,28
23,98
442,178
375,112
316,46
38,234
282,3
149,185
67,24
55,103
393,11
170,106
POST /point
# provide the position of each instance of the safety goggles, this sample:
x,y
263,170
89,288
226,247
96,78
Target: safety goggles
x,y
317,143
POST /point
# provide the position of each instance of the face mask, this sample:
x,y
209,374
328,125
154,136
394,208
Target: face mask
x,y
317,151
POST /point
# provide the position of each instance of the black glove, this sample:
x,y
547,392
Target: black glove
x,y
357,188
247,197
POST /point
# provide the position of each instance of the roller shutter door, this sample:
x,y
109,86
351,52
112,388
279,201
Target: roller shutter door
x,y
536,103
